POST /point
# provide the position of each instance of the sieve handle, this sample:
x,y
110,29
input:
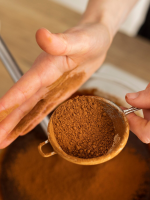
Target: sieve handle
x,y
130,110
42,153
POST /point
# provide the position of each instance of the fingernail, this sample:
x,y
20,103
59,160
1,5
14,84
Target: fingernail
x,y
132,95
45,29
48,31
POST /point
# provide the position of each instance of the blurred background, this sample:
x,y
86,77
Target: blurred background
x,y
19,21
133,21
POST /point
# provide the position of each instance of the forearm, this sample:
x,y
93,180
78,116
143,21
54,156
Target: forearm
x,y
111,13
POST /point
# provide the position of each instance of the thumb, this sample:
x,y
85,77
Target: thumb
x,y
139,99
61,43
138,125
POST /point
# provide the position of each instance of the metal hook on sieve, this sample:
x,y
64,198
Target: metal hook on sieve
x,y
130,110
42,153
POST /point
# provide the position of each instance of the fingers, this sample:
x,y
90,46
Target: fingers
x,y
9,123
9,139
19,93
62,43
139,99
140,127
46,70
148,86
43,73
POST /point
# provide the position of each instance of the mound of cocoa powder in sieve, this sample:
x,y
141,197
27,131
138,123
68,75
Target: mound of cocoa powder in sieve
x,y
82,128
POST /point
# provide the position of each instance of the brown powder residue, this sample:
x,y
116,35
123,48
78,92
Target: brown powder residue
x,y
82,127
28,176
55,93
6,112
96,92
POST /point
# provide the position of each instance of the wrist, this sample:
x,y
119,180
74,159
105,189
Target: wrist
x,y
110,13
103,19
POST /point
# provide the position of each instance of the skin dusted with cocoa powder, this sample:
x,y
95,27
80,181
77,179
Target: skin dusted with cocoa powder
x,y
4,113
82,127
52,98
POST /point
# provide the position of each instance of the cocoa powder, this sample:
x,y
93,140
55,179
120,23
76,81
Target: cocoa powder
x,y
96,92
55,94
82,127
25,175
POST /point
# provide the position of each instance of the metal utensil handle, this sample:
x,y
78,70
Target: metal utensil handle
x,y
130,110
15,72
45,154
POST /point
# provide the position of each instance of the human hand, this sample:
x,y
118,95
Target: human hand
x,y
138,125
68,60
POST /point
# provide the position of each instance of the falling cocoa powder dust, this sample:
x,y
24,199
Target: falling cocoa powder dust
x,y
55,93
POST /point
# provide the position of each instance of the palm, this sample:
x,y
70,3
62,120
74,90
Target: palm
x,y
67,62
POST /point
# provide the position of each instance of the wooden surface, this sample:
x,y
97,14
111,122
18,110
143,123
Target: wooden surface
x,y
131,54
20,20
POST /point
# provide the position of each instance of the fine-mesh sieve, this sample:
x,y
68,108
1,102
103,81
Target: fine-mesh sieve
x,y
121,127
